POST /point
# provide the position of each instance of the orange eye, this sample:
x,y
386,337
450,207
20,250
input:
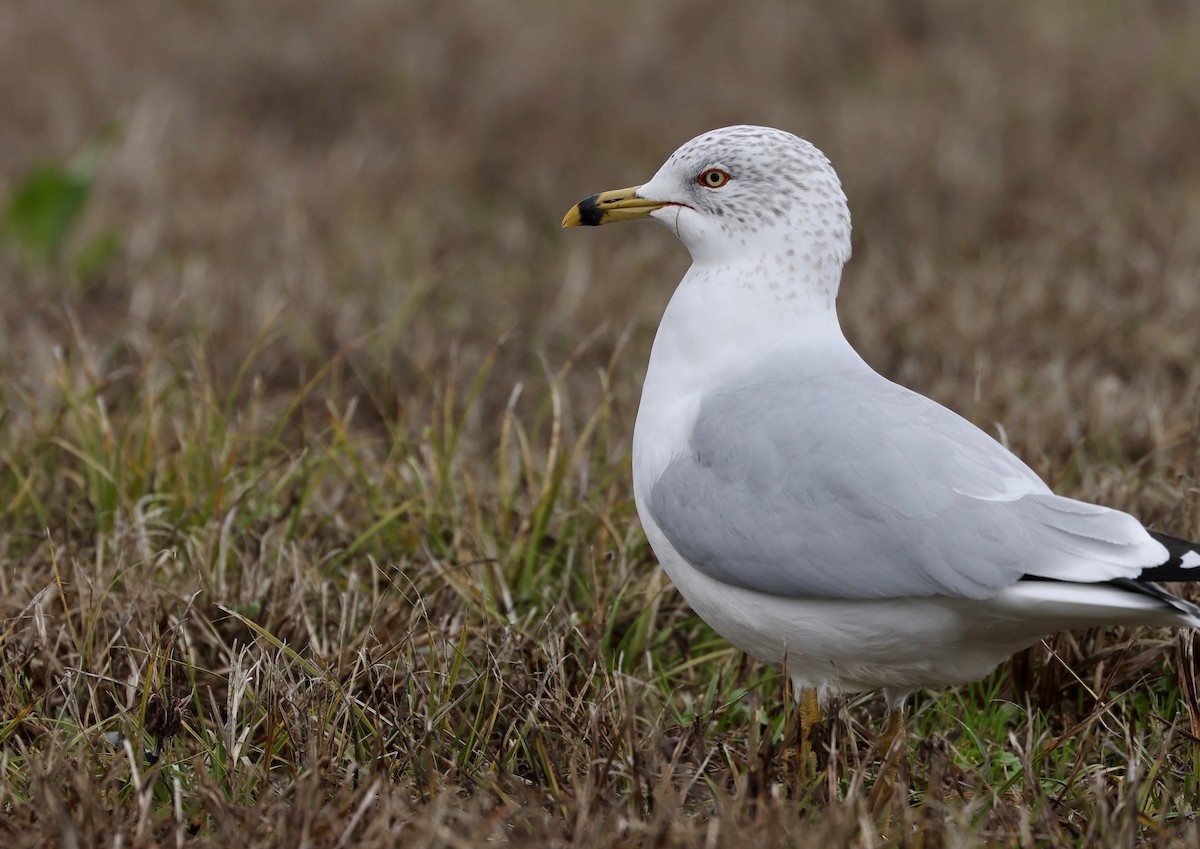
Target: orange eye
x,y
713,178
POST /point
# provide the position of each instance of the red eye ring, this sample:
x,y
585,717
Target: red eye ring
x,y
713,178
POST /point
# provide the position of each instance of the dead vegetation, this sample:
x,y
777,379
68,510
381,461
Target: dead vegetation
x,y
314,428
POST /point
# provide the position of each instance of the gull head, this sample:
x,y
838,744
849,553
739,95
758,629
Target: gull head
x,y
739,194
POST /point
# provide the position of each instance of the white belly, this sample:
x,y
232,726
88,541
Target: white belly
x,y
898,645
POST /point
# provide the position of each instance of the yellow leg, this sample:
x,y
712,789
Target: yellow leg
x,y
891,733
811,715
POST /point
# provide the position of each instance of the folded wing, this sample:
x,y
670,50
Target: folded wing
x,y
846,485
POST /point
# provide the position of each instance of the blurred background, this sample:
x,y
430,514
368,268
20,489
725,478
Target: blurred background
x,y
299,371
271,184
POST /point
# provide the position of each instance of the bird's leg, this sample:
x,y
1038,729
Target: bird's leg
x,y
892,738
811,716
892,731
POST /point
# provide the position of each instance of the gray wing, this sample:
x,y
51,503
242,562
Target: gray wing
x,y
849,486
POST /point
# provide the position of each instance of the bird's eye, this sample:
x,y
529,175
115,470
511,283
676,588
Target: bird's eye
x,y
713,178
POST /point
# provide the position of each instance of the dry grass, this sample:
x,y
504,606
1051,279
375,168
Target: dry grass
x,y
317,524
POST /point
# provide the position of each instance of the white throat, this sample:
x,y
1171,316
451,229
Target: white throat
x,y
722,318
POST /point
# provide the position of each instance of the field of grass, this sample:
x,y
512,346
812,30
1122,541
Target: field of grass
x,y
317,524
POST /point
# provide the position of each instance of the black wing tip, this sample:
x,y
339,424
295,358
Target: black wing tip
x,y
1182,563
1144,587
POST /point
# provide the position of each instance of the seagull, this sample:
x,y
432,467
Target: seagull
x,y
820,517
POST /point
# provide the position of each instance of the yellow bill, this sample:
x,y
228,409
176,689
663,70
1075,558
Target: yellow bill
x,y
606,207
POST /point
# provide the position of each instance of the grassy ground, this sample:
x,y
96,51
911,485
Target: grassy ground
x,y
317,525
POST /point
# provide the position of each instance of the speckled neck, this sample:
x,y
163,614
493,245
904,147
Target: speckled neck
x,y
724,318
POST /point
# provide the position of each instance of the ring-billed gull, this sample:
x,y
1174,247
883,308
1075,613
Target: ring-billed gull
x,y
817,515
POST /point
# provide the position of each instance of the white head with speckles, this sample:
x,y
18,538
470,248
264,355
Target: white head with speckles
x,y
737,192
740,196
